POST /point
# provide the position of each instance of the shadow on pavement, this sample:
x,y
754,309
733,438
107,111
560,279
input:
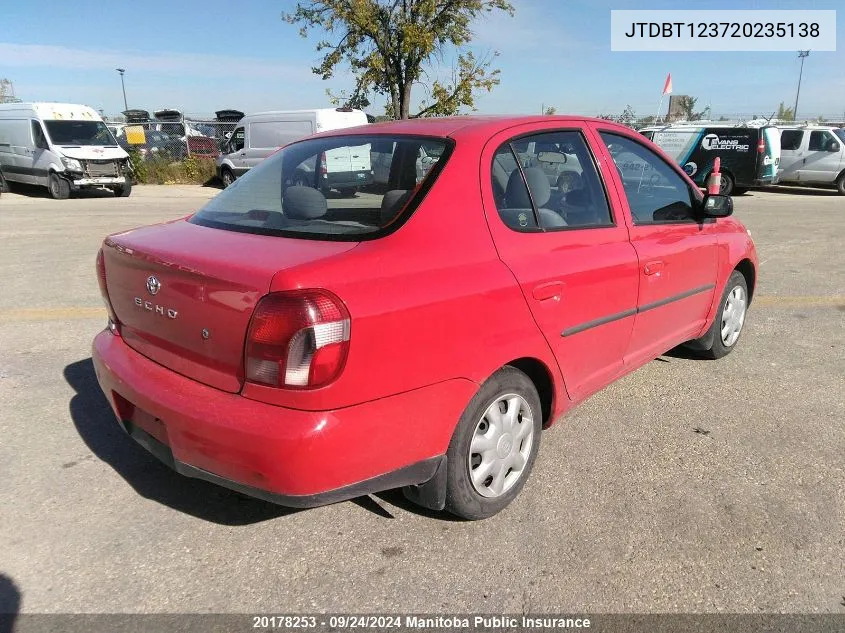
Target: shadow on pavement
x,y
95,422
802,191
10,603
34,191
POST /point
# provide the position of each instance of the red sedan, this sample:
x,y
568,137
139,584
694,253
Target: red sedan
x,y
305,347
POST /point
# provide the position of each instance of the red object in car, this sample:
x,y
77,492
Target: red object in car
x,y
306,346
202,146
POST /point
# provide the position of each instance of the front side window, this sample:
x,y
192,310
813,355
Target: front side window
x,y
840,132
791,139
325,188
548,181
38,136
656,193
236,143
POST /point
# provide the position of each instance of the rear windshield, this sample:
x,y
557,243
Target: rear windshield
x,y
349,187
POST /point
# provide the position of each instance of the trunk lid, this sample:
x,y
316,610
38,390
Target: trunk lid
x,y
184,293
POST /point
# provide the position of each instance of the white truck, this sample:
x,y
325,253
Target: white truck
x,y
62,146
258,135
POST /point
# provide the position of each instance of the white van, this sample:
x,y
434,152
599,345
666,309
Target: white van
x,y
256,136
813,155
61,146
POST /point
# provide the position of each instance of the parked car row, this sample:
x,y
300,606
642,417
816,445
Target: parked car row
x,y
755,155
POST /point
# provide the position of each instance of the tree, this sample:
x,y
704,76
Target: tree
x,y
784,113
392,45
551,110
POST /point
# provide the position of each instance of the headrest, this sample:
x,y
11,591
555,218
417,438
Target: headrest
x,y
517,197
303,203
392,203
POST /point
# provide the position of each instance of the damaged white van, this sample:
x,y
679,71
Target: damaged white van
x,y
61,146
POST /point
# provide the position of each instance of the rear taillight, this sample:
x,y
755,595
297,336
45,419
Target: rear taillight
x,y
761,145
101,280
324,168
297,339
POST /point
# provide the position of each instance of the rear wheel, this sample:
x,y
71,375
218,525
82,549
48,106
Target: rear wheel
x,y
348,192
4,186
494,446
227,177
123,191
58,186
738,191
726,184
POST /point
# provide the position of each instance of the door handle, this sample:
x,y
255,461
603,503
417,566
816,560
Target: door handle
x,y
546,291
653,268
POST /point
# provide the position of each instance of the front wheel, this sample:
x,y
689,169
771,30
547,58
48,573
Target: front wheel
x,y
840,184
123,191
58,186
348,192
727,326
494,446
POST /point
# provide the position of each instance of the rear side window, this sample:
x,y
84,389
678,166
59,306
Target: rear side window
x,y
819,140
791,139
548,182
336,188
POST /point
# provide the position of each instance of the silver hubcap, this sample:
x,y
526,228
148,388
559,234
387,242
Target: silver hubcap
x,y
501,444
733,316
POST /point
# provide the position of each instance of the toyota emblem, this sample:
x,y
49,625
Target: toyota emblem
x,y
153,284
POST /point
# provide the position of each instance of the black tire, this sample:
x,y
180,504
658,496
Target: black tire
x,y
59,187
4,186
715,347
349,192
840,184
726,184
462,498
227,177
123,191
738,191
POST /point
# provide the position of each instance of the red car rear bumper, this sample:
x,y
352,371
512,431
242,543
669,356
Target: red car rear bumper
x,y
291,457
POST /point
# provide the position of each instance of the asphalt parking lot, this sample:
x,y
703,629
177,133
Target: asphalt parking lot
x,y
689,486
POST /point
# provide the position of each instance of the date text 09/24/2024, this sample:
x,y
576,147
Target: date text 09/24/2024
x,y
417,622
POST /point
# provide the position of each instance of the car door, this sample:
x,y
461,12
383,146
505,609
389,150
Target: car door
x,y
821,163
791,143
237,151
568,250
677,253
40,156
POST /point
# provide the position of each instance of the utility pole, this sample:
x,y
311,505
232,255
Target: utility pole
x,y
122,85
801,56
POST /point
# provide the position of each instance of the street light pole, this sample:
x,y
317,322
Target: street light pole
x,y
122,85
801,56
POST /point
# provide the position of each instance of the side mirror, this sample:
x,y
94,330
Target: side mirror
x,y
717,206
832,146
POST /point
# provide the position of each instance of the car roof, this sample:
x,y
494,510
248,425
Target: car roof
x,y
463,126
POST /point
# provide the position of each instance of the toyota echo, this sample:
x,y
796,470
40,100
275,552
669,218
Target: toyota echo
x,y
305,347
